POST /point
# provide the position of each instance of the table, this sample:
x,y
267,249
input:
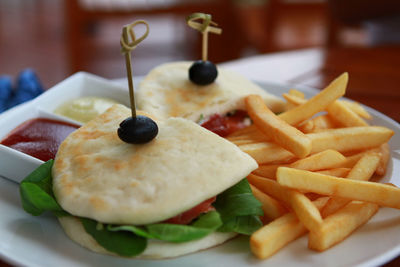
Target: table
x,y
374,73
374,76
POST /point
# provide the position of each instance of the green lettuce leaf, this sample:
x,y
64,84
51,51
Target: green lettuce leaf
x,y
177,233
239,209
36,192
123,243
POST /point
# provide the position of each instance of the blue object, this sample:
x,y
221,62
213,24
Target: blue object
x,y
28,87
5,91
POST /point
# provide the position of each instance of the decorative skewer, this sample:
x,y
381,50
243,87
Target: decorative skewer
x,y
126,48
137,129
203,72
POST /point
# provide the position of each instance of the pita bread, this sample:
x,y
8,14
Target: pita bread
x,y
155,249
96,175
167,92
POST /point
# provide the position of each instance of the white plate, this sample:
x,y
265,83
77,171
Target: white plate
x,y
39,241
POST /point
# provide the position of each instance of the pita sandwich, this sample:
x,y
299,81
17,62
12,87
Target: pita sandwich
x,y
108,187
167,92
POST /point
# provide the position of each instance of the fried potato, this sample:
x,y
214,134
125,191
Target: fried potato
x,y
266,152
268,171
317,124
296,93
249,129
363,171
277,129
304,209
272,237
357,108
317,103
350,139
270,187
271,207
323,160
345,153
385,156
381,194
307,213
341,224
344,116
337,172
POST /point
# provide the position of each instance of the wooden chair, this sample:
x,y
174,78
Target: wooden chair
x,y
79,14
347,14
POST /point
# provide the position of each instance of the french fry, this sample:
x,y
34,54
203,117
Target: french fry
x,y
351,160
385,152
381,194
357,108
272,208
270,187
307,213
350,139
317,103
268,171
253,135
323,160
296,93
341,224
305,210
249,129
306,126
272,237
362,171
337,172
344,116
293,100
345,152
323,122
278,130
267,152
269,239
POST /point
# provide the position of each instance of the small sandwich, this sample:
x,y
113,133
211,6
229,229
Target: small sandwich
x,y
182,192
167,92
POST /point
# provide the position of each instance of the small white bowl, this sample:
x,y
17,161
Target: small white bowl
x,y
16,165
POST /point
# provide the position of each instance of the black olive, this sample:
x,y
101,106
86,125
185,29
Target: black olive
x,y
137,130
203,72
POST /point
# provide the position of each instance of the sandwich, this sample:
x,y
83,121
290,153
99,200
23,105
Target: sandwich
x,y
167,91
182,192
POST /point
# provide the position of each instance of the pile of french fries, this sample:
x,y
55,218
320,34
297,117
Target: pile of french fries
x,y
316,161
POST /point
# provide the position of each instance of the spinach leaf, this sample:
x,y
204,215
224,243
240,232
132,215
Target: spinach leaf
x,y
177,233
123,243
239,209
245,225
37,193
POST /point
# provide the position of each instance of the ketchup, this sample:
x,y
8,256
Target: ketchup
x,y
39,138
225,125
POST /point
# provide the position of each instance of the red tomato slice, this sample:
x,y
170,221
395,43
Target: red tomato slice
x,y
225,125
187,216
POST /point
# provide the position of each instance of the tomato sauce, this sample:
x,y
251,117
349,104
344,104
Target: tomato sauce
x,y
225,125
39,138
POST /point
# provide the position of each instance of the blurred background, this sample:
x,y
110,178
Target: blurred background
x,y
59,37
